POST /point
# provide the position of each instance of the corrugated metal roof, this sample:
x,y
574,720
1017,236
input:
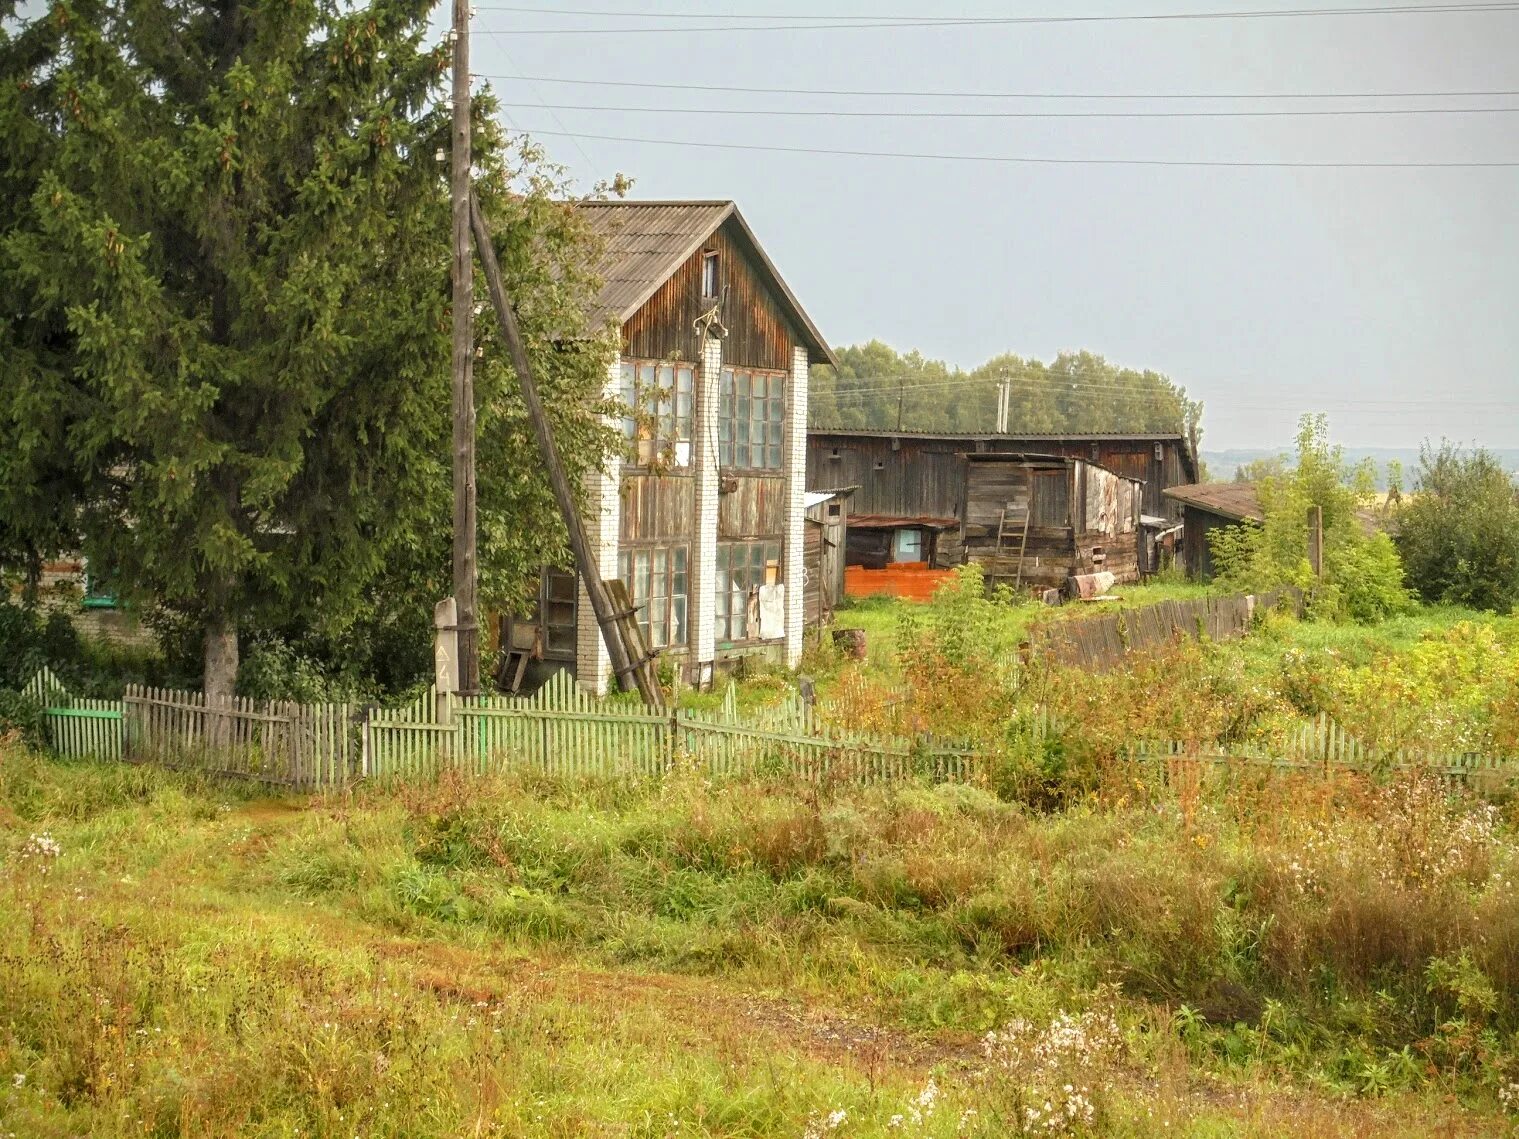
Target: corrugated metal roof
x,y
646,242
1236,500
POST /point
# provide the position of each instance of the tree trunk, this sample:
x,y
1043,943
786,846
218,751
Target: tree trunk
x,y
221,656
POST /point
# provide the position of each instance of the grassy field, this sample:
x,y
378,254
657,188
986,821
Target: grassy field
x,y
517,956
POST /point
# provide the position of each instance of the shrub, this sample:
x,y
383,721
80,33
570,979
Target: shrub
x,y
1459,535
1362,575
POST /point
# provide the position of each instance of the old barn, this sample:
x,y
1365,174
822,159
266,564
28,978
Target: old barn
x,y
908,507
1036,520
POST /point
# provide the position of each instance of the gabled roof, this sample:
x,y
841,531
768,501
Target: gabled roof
x,y
646,242
1233,500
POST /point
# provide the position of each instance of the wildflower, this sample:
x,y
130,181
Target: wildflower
x,y
19,1080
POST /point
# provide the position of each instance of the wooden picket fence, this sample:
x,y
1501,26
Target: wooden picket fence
x,y
560,730
1323,745
302,746
78,726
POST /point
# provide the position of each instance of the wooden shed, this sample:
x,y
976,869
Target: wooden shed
x,y
823,544
1033,520
1207,508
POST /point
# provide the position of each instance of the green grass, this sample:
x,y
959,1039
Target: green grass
x,y
522,956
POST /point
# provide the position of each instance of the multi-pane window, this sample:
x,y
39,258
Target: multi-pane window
x,y
659,585
658,417
742,567
751,419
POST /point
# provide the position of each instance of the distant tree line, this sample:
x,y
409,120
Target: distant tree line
x,y
875,386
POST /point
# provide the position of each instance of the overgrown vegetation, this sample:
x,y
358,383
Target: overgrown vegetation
x,y
530,956
1362,576
1459,533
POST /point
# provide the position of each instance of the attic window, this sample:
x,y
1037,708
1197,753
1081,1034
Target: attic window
x,y
709,273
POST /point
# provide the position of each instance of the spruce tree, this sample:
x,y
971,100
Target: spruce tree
x,y
224,265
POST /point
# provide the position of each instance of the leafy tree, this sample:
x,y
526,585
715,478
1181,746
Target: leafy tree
x,y
1459,532
1362,575
877,387
224,257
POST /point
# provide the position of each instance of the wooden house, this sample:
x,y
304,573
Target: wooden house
x,y
703,518
1036,520
1207,508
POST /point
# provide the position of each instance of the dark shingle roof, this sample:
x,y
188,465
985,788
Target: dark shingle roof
x,y
646,242
1236,500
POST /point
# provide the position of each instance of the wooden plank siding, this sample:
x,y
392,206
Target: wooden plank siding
x,y
755,507
759,334
911,475
657,508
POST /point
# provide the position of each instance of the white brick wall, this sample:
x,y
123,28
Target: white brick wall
x,y
703,602
796,486
603,525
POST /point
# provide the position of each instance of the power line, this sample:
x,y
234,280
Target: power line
x,y
847,114
1037,383
905,94
1036,160
838,22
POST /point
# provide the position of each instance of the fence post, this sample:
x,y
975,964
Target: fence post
x,y
1316,540
445,657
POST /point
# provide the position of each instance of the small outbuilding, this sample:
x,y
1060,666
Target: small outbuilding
x,y
823,544
1207,508
1034,520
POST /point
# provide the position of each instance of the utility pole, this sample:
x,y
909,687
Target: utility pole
x,y
466,564
901,395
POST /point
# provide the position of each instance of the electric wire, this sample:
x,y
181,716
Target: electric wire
x,y
1139,96
1041,160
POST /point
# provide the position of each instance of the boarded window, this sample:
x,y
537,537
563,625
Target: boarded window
x,y
742,567
751,419
657,417
659,585
1052,498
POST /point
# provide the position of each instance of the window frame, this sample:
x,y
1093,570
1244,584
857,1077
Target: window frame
x,y
666,611
711,282
658,434
735,409
728,611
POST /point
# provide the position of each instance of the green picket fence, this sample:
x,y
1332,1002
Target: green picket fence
x,y
78,726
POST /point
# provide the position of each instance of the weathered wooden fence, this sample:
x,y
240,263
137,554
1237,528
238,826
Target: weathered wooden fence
x,y
562,730
559,730
1322,745
1103,640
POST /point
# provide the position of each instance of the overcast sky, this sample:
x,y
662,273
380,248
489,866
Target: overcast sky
x,y
1387,297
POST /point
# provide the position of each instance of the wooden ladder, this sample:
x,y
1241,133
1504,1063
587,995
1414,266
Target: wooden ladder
x,y
1014,541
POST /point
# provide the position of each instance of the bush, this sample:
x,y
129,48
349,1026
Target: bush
x,y
1459,535
22,716
1362,575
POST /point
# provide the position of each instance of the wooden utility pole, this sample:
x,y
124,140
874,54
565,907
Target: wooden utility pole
x,y
1316,540
465,555
631,673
